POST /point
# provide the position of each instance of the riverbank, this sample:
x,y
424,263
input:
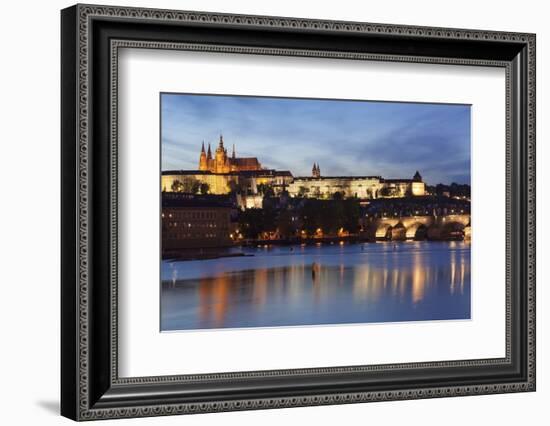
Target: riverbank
x,y
307,241
353,239
199,255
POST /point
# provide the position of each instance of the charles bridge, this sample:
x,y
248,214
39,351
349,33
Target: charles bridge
x,y
418,227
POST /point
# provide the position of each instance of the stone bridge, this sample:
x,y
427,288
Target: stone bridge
x,y
448,227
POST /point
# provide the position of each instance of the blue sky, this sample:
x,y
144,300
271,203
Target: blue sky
x,y
389,139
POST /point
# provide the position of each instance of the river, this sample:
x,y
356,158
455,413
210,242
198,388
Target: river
x,y
273,286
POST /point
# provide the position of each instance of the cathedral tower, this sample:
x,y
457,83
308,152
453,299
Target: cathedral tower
x,y
316,171
203,162
221,165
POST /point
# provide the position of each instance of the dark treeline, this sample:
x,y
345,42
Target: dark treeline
x,y
308,215
330,215
453,190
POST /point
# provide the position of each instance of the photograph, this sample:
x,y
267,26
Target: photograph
x,y
280,212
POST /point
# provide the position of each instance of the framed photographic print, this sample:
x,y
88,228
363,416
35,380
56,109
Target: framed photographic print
x,y
263,212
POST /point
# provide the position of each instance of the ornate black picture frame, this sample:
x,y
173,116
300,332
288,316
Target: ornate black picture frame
x,y
91,388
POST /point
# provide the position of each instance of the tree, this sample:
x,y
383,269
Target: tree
x,y
177,186
204,188
317,192
285,225
237,187
302,191
253,222
269,219
337,196
352,214
233,187
266,190
250,222
309,216
332,216
191,185
386,191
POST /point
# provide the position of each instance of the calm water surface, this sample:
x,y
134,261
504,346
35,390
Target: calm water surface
x,y
323,284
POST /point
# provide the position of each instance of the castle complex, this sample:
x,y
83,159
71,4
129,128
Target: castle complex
x,y
224,174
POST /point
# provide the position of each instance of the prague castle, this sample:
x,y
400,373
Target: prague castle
x,y
223,174
222,163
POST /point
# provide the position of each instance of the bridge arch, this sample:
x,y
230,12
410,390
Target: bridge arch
x,y
453,231
383,231
417,231
399,232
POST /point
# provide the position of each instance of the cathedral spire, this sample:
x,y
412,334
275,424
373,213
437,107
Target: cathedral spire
x,y
203,162
316,171
221,141
209,153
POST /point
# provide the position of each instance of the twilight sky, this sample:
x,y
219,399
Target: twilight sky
x,y
389,139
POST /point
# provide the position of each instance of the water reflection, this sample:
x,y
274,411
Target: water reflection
x,y
280,286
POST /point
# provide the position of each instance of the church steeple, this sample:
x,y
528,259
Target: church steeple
x,y
209,153
203,162
316,171
221,160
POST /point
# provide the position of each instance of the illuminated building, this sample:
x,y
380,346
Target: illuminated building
x,y
222,163
364,187
224,174
195,221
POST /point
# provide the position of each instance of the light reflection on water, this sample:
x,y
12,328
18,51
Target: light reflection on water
x,y
328,284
